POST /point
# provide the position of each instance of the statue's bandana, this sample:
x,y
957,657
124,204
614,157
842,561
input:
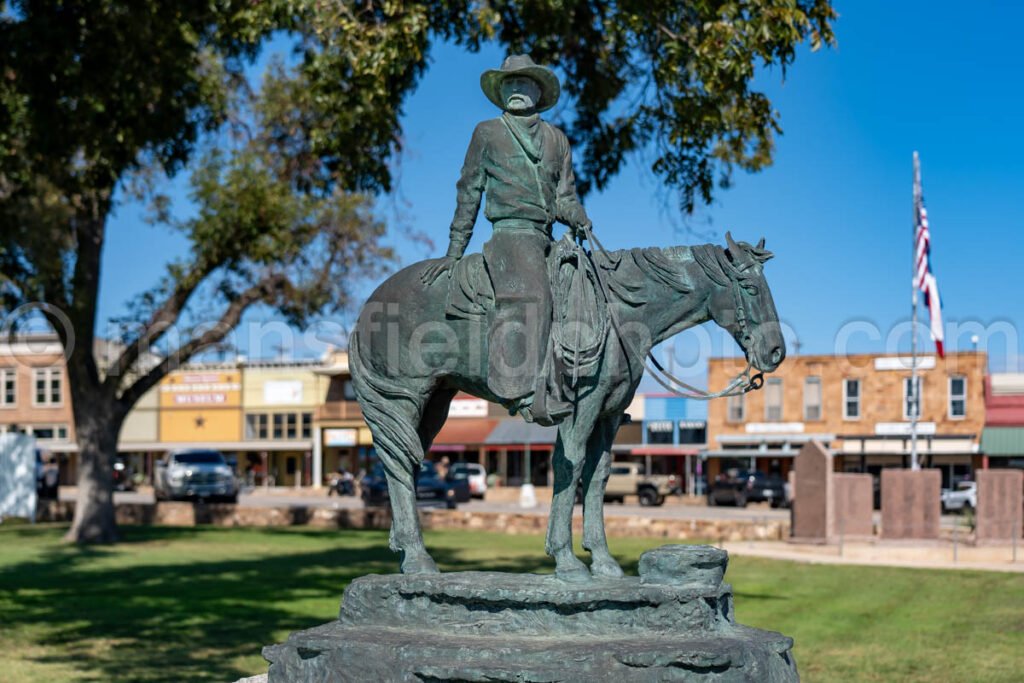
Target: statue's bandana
x,y
528,133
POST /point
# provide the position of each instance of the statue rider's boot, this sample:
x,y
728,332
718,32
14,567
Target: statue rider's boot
x,y
548,407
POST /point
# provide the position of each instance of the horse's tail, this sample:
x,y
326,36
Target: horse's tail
x,y
392,413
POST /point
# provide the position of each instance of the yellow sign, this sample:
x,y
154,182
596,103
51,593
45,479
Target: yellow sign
x,y
201,407
194,389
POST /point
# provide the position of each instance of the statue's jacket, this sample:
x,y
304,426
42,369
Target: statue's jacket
x,y
524,164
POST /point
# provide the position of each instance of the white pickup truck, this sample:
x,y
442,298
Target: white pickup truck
x,y
963,496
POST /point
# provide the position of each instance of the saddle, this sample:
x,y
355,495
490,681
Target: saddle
x,y
580,320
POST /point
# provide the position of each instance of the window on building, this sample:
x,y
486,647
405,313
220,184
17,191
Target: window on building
x,y
291,425
307,425
48,386
659,431
691,432
8,387
773,399
909,396
49,432
812,399
957,397
348,391
278,426
734,408
256,426
851,399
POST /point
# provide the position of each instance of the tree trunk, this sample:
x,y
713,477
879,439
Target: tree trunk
x,y
97,445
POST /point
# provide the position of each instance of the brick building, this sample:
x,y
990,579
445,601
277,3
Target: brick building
x,y
1003,439
666,434
35,399
858,406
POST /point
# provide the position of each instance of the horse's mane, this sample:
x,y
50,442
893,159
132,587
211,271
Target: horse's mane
x,y
662,264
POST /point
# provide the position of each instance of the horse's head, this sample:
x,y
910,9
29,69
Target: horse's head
x,y
743,304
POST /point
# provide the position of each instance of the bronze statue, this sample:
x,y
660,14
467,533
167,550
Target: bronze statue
x,y
421,338
557,334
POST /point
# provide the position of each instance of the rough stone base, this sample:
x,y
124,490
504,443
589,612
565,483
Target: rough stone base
x,y
487,626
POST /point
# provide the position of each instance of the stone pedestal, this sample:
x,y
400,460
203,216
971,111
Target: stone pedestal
x,y
675,622
911,505
1000,502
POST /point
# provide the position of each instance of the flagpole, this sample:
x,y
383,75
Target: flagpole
x,y
914,398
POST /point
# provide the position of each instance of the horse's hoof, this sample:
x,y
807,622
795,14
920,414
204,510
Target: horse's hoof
x,y
572,570
606,568
419,564
574,575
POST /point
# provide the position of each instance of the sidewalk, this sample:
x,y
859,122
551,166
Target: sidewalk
x,y
882,554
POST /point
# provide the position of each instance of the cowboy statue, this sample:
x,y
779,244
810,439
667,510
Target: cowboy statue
x,y
524,165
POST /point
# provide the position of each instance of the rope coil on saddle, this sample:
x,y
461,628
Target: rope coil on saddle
x,y
741,384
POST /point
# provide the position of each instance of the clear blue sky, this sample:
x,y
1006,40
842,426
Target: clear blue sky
x,y
943,78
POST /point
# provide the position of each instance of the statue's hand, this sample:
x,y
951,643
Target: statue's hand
x,y
438,268
580,233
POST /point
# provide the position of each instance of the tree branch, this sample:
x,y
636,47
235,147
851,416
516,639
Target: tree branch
x,y
157,326
261,291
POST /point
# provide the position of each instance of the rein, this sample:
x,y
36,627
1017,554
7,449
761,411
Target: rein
x,y
741,384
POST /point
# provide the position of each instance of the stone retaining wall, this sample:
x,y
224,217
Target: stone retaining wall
x,y
223,514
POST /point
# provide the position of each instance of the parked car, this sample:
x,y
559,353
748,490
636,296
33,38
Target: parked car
x,y
431,488
963,497
474,474
195,474
628,479
739,487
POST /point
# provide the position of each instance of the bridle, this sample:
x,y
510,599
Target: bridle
x,y
740,384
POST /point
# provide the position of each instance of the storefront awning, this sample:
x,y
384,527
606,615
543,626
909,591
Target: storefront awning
x,y
1003,441
464,432
265,445
655,449
747,453
516,432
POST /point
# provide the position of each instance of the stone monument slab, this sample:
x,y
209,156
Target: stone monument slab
x,y
911,506
1000,504
812,514
828,505
854,505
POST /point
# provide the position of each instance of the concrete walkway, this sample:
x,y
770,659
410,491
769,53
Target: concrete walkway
x,y
937,555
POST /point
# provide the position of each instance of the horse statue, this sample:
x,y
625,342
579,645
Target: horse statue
x,y
409,356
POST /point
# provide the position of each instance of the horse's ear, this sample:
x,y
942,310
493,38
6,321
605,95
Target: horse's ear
x,y
734,249
762,254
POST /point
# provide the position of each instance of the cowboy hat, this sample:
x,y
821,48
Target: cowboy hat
x,y
521,65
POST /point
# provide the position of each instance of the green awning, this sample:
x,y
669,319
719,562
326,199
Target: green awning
x,y
1003,441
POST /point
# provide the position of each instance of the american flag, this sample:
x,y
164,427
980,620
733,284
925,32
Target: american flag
x,y
924,279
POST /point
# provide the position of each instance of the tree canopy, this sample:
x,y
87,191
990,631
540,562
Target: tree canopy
x,y
97,96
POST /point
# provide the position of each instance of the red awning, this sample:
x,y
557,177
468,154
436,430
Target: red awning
x,y
464,431
662,450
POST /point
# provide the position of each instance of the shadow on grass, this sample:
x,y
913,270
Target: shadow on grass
x,y
741,595
122,616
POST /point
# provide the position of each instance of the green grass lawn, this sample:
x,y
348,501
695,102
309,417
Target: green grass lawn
x,y
173,604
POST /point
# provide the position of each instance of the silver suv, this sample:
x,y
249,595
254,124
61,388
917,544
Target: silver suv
x,y
195,473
